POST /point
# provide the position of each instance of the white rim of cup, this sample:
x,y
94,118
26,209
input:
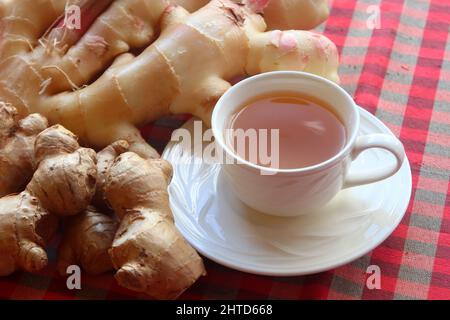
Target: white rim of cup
x,y
320,166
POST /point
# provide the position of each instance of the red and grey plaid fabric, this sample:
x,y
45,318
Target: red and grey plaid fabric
x,y
401,73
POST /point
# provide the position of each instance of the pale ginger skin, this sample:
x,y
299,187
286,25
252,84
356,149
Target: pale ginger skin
x,y
86,242
278,14
17,138
89,235
26,227
149,253
105,159
63,184
66,175
133,21
295,14
170,76
25,21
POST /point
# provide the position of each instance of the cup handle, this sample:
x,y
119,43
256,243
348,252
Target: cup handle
x,y
382,141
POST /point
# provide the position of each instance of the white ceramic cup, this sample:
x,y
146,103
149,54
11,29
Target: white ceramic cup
x,y
292,192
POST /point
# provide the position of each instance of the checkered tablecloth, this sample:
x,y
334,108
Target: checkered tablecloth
x,y
400,71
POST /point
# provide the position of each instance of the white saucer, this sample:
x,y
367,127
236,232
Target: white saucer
x,y
223,229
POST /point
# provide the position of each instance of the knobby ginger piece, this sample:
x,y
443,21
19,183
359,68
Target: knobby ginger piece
x,y
295,14
148,252
63,184
17,138
65,179
105,159
89,236
86,242
25,229
278,14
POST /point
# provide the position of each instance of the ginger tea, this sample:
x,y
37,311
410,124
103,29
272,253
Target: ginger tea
x,y
309,131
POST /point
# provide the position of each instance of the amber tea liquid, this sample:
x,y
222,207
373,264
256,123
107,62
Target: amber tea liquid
x,y
309,131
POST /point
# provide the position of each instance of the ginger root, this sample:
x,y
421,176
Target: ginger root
x,y
89,236
150,255
86,242
105,159
26,227
171,76
66,176
279,14
295,14
17,139
148,252
63,184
